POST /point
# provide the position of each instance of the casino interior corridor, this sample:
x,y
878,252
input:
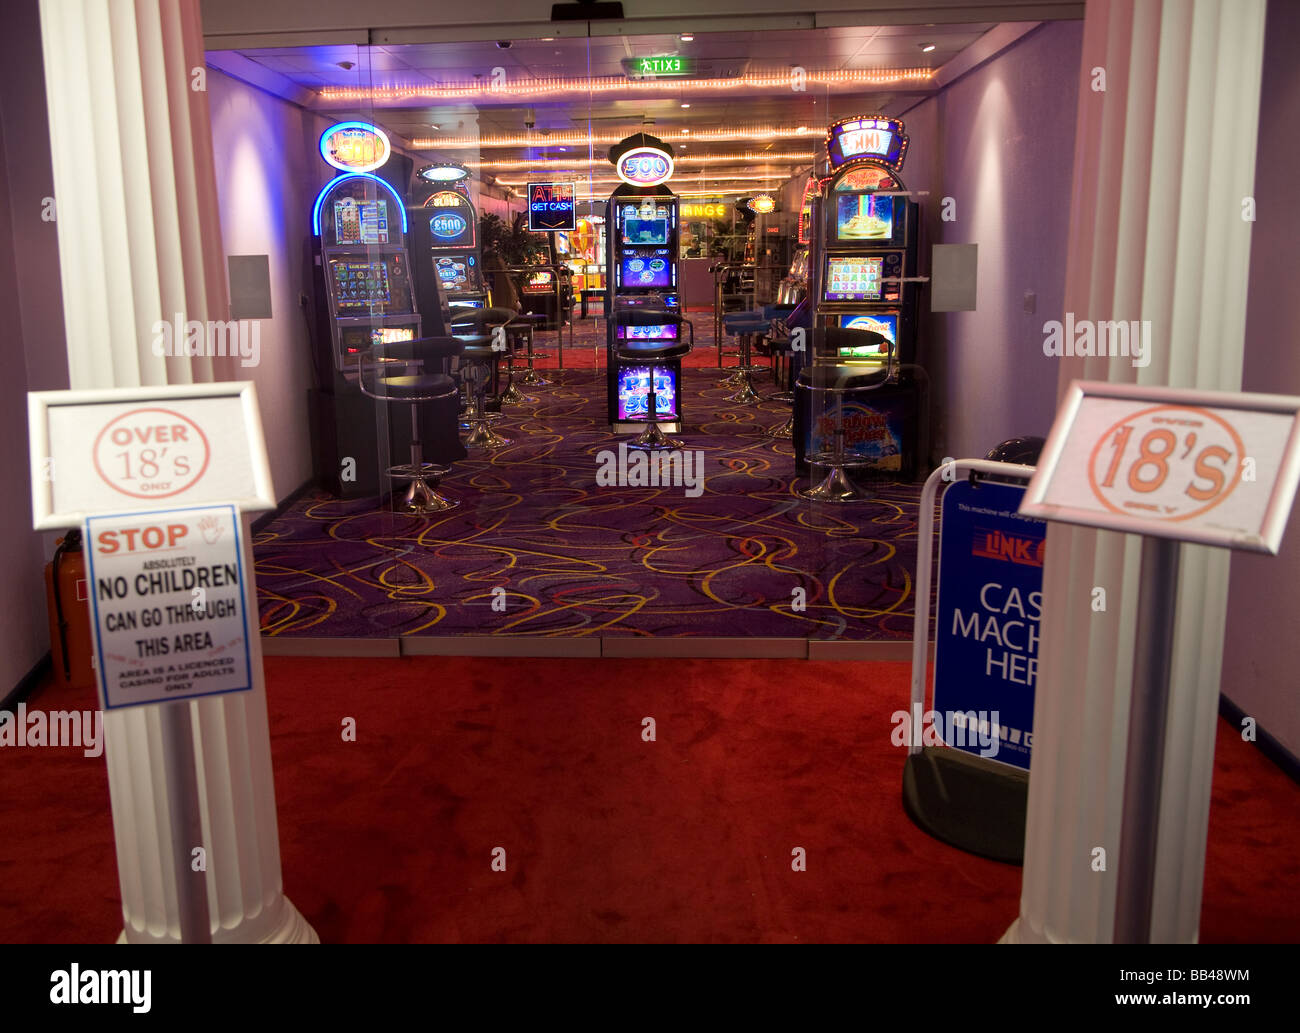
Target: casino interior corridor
x,y
604,365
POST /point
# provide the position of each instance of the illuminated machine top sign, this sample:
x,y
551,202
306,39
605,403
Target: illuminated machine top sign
x,y
355,146
871,137
1211,467
645,167
443,172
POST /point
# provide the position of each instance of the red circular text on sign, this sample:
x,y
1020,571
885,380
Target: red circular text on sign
x,y
1169,462
151,453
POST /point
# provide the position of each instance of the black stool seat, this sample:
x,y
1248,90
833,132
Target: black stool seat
x,y
648,351
415,385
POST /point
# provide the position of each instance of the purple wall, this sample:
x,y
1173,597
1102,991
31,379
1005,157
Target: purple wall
x,y
1260,654
1000,142
34,355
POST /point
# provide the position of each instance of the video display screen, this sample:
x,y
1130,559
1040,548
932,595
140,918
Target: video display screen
x,y
456,272
658,332
360,222
540,283
360,285
645,231
391,334
853,278
864,217
883,323
654,270
634,392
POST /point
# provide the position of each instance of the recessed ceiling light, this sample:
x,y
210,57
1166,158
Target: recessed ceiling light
x,y
686,131
685,105
926,47
686,37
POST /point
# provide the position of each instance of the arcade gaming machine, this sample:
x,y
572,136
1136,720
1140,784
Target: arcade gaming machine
x,y
641,264
364,296
863,248
448,236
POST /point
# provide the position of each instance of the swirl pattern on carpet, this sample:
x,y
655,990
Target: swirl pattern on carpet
x,y
539,548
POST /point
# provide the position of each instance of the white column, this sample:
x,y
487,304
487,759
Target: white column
x,y
139,242
1163,160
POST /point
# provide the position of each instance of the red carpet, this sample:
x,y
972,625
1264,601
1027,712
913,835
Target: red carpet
x,y
608,838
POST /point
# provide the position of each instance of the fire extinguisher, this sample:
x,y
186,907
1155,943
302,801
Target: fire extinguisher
x,y
68,601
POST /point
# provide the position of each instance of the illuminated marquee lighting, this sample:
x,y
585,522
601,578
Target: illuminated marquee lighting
x,y
762,204
355,146
569,164
774,177
320,198
580,137
558,86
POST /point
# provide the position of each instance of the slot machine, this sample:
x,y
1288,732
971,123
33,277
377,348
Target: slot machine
x,y
450,249
364,296
641,271
863,236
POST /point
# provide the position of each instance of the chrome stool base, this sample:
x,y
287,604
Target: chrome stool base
x,y
652,439
836,487
534,379
786,430
483,436
421,498
512,396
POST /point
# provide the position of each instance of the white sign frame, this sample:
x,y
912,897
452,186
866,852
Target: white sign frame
x,y
102,666
39,404
1282,495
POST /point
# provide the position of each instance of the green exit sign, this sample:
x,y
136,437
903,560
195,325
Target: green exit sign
x,y
668,66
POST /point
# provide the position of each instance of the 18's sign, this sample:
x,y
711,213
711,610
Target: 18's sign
x,y
1212,467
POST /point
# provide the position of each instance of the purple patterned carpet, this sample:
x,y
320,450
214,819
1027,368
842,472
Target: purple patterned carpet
x,y
539,548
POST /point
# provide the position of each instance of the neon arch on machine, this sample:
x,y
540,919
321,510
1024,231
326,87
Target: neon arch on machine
x,y
320,198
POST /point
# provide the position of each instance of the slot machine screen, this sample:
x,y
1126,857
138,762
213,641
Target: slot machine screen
x,y
391,334
647,271
540,283
645,231
883,323
634,392
360,222
456,273
853,278
360,286
864,217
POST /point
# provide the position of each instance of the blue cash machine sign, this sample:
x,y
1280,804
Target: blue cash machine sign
x,y
990,604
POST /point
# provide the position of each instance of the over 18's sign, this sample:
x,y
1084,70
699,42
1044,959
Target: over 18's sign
x,y
551,207
1216,468
145,448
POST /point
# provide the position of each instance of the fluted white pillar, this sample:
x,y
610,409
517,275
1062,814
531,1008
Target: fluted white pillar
x,y
1164,157
139,241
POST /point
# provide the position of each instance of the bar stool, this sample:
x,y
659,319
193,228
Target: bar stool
x,y
640,350
834,382
780,340
531,323
475,328
379,380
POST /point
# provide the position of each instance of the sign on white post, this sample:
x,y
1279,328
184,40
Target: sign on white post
x,y
145,448
1210,467
167,595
